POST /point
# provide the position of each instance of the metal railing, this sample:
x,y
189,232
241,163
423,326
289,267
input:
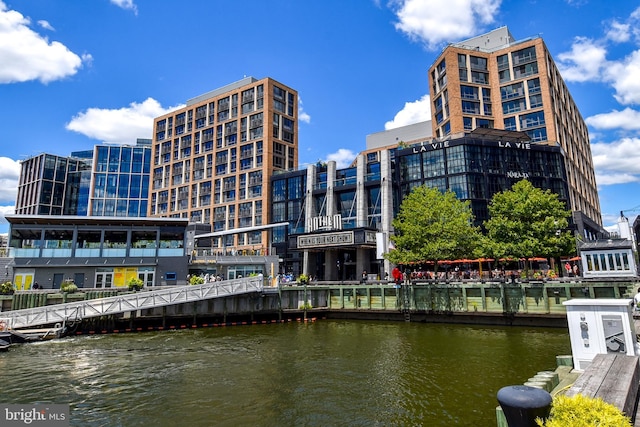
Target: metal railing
x,y
76,311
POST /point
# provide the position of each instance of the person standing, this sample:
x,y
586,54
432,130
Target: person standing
x,y
364,276
397,275
636,301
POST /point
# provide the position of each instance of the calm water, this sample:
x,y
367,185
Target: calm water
x,y
328,373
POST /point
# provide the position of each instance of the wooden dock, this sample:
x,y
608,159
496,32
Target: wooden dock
x,y
614,378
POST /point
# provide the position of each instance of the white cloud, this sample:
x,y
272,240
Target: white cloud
x,y
123,125
302,115
342,157
413,112
26,55
45,24
4,210
617,162
584,62
627,119
9,175
623,76
127,5
618,32
441,21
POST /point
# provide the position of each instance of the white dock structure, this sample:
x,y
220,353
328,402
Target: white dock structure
x,y
77,311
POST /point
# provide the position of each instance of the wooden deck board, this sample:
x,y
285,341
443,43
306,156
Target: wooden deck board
x,y
615,378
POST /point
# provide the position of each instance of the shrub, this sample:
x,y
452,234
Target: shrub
x,y
305,306
68,286
303,279
135,284
580,411
6,288
196,280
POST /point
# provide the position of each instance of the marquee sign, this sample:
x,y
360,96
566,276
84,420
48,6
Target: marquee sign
x,y
328,222
323,240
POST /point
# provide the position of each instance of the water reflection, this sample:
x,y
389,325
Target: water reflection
x,y
320,374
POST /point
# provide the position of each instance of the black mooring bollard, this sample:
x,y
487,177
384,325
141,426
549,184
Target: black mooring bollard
x,y
522,404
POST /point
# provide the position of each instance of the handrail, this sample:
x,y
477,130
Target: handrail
x,y
25,318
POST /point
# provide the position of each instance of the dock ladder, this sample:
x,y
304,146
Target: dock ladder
x,y
406,301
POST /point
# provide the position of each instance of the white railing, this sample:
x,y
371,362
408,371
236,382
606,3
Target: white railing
x,y
75,311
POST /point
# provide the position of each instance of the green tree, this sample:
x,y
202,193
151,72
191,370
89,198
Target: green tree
x,y
432,226
527,222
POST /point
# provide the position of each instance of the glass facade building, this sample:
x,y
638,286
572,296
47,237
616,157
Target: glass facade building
x,y
110,180
121,181
51,185
340,219
479,165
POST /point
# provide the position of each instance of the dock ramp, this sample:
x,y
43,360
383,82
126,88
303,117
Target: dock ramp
x,y
146,299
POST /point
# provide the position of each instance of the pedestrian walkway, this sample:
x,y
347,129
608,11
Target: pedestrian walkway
x,y
77,311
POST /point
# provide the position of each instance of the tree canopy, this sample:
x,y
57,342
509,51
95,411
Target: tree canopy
x,y
432,226
527,222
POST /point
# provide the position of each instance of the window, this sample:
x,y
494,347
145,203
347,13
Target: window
x,y
510,123
525,70
524,55
469,107
504,75
514,106
456,159
533,85
538,135
532,120
433,163
478,77
469,92
515,90
468,123
478,63
503,62
535,101
484,123
410,167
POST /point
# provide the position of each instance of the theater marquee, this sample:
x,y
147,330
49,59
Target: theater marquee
x,y
328,239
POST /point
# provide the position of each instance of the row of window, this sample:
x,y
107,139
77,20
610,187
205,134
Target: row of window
x,y
227,108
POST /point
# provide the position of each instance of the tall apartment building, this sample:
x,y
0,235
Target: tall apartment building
x,y
109,180
213,158
494,81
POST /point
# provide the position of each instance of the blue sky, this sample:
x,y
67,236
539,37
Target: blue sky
x,y
77,73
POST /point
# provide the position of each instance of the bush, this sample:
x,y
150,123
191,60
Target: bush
x,y
580,411
196,280
6,288
303,279
135,284
68,286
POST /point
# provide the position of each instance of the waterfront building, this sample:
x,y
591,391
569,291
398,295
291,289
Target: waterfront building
x,y
494,81
608,258
120,180
212,159
96,252
340,219
49,185
109,180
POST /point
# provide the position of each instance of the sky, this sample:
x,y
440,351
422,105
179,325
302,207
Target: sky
x,y
78,73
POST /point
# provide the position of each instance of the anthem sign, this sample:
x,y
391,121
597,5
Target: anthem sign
x,y
326,239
